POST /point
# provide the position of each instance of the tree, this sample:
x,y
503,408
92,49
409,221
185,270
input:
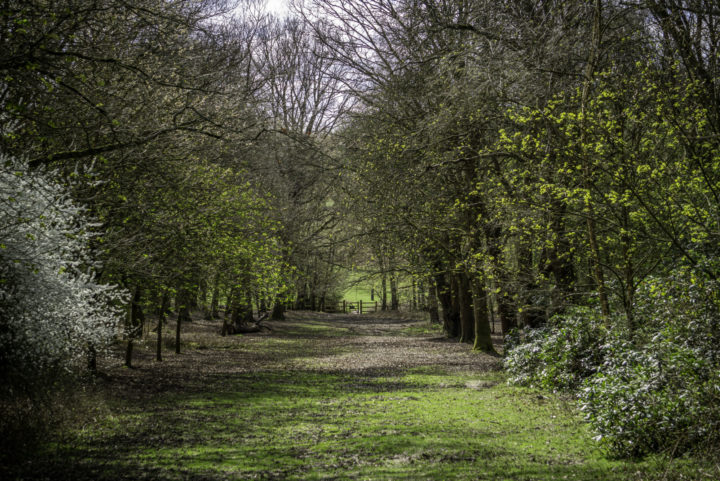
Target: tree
x,y
53,311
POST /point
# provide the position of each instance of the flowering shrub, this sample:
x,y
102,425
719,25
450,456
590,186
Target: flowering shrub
x,y
51,306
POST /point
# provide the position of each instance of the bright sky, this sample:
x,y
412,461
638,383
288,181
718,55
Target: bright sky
x,y
278,7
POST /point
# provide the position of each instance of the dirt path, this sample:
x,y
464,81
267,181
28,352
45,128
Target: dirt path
x,y
322,397
334,343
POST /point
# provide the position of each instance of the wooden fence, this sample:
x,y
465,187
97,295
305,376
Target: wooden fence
x,y
344,306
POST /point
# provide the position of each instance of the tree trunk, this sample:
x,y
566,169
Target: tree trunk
x,y
384,291
241,310
128,353
302,295
215,300
483,338
136,319
278,312
92,359
587,169
455,299
445,296
432,302
628,294
193,299
228,303
227,317
165,301
414,296
248,308
394,300
467,317
183,315
506,311
202,294
503,298
421,295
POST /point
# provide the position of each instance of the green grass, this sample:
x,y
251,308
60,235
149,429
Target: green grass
x,y
311,424
422,329
323,426
361,286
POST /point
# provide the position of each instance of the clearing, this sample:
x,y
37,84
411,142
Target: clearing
x,y
327,397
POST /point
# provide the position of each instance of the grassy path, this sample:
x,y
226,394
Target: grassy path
x,y
328,397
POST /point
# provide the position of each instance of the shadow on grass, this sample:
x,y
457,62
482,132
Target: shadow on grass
x,y
303,425
239,414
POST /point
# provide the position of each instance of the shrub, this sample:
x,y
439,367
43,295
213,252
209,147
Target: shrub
x,y
558,356
51,306
660,391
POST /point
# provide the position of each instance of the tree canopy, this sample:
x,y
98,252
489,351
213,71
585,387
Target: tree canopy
x,y
522,161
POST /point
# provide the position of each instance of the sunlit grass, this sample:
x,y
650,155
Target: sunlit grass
x,y
308,423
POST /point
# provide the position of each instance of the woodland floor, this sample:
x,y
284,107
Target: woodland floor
x,y
327,397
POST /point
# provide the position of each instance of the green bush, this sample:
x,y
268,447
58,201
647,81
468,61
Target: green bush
x,y
653,389
660,391
559,356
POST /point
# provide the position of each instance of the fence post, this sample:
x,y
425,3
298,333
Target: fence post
x,y
344,311
360,306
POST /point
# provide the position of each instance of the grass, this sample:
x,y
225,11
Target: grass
x,y
361,287
305,419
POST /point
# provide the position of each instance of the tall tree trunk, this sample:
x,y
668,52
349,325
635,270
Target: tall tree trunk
x,y
183,315
467,318
451,316
394,299
506,311
628,272
248,311
556,260
483,338
164,302
587,169
432,303
227,314
414,305
421,295
384,291
313,289
202,299
136,319
503,298
241,311
193,298
455,299
301,297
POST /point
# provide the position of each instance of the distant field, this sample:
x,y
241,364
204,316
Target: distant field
x,y
361,286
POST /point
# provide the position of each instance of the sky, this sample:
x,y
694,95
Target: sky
x,y
278,7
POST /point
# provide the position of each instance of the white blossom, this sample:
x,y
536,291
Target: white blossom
x,y
51,306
